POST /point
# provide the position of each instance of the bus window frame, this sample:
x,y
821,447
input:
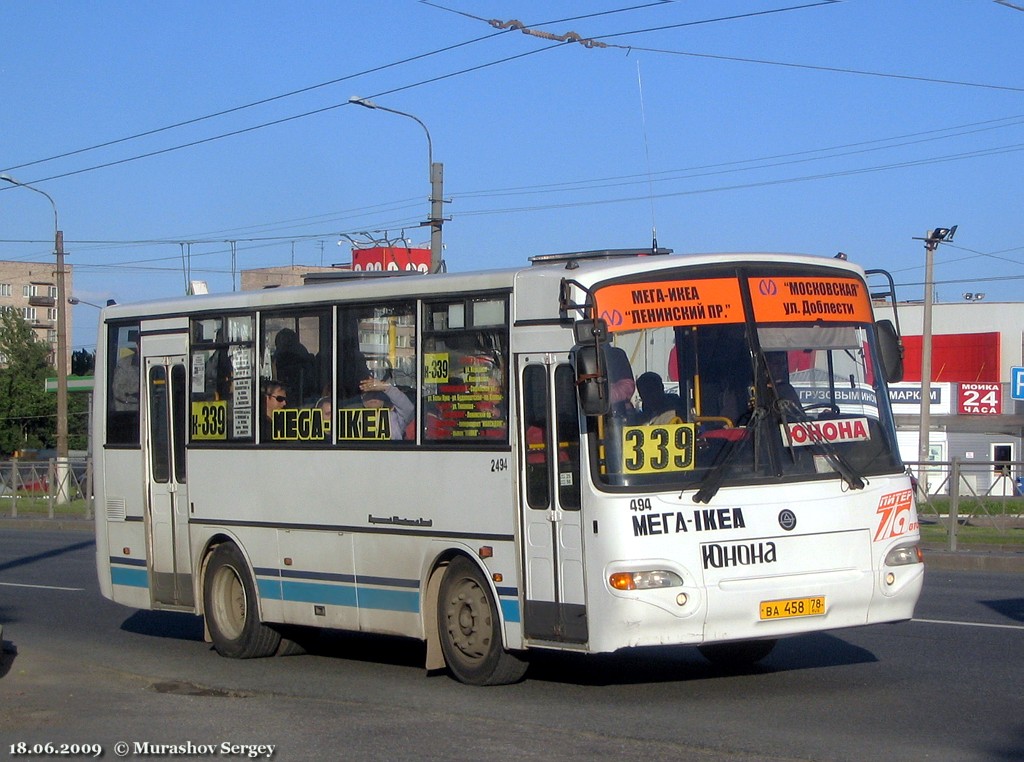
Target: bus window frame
x,y
131,423
349,375
224,343
503,331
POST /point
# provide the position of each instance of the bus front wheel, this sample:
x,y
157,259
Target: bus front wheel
x,y
470,632
232,614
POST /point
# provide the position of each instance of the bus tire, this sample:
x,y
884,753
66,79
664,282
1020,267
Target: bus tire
x,y
230,605
740,653
470,629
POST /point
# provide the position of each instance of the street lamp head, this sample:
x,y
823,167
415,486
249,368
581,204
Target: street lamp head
x,y
436,171
942,234
73,300
364,102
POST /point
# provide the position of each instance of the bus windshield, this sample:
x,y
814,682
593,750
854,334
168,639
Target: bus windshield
x,y
747,376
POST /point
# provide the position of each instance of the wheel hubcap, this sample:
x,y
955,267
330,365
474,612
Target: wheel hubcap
x,y
469,622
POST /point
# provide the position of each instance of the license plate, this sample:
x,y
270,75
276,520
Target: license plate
x,y
793,607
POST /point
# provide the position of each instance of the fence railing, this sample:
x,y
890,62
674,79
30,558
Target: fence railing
x,y
52,488
953,494
978,493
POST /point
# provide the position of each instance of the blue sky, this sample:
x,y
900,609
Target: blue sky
x,y
729,125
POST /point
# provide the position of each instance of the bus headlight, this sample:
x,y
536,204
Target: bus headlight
x,y
644,580
902,555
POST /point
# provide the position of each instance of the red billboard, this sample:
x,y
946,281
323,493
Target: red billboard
x,y
980,399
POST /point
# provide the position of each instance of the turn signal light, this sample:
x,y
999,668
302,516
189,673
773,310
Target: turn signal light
x,y
644,580
903,555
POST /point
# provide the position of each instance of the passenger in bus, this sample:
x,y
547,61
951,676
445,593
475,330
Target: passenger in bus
x,y
375,392
620,383
778,370
295,366
657,405
621,412
274,398
127,377
326,411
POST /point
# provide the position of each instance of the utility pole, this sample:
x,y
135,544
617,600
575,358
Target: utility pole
x,y
62,352
931,240
436,215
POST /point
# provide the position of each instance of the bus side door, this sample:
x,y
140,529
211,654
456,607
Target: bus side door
x,y
555,602
166,419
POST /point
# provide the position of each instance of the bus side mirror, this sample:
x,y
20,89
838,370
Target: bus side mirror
x,y
591,380
590,331
890,349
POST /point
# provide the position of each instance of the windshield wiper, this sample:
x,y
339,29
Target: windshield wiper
x,y
825,448
785,410
713,481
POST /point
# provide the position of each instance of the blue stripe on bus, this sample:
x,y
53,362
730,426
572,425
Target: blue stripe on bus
x,y
311,592
278,585
361,595
129,577
510,609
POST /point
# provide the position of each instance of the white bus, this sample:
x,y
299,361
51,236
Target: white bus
x,y
598,451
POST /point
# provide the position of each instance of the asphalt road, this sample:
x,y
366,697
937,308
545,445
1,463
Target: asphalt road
x,y
78,669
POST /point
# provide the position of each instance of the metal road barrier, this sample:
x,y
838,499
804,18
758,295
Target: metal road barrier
x,y
971,493
957,494
46,488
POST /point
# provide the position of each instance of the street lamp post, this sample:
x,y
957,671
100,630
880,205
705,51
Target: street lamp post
x,y
436,219
931,242
73,300
62,346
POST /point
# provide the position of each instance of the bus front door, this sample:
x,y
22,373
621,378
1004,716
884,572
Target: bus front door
x,y
555,602
166,494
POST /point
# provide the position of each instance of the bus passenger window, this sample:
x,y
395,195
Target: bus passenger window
x,y
125,374
465,384
222,379
296,376
376,374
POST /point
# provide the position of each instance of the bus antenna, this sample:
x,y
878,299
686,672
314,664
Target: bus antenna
x,y
647,154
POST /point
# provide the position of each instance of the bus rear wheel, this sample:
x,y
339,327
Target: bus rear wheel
x,y
232,614
738,654
469,627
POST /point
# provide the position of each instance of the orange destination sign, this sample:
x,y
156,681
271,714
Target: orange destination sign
x,y
795,299
631,306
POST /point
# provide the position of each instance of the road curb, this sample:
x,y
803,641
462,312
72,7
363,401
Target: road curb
x,y
48,525
973,560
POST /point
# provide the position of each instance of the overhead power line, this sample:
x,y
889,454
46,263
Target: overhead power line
x,y
291,93
420,83
598,41
245,106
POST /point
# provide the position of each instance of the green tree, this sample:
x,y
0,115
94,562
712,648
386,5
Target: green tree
x,y
28,415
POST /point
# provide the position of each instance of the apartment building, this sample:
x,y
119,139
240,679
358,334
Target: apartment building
x,y
30,288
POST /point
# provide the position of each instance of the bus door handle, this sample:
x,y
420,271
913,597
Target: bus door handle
x,y
554,515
